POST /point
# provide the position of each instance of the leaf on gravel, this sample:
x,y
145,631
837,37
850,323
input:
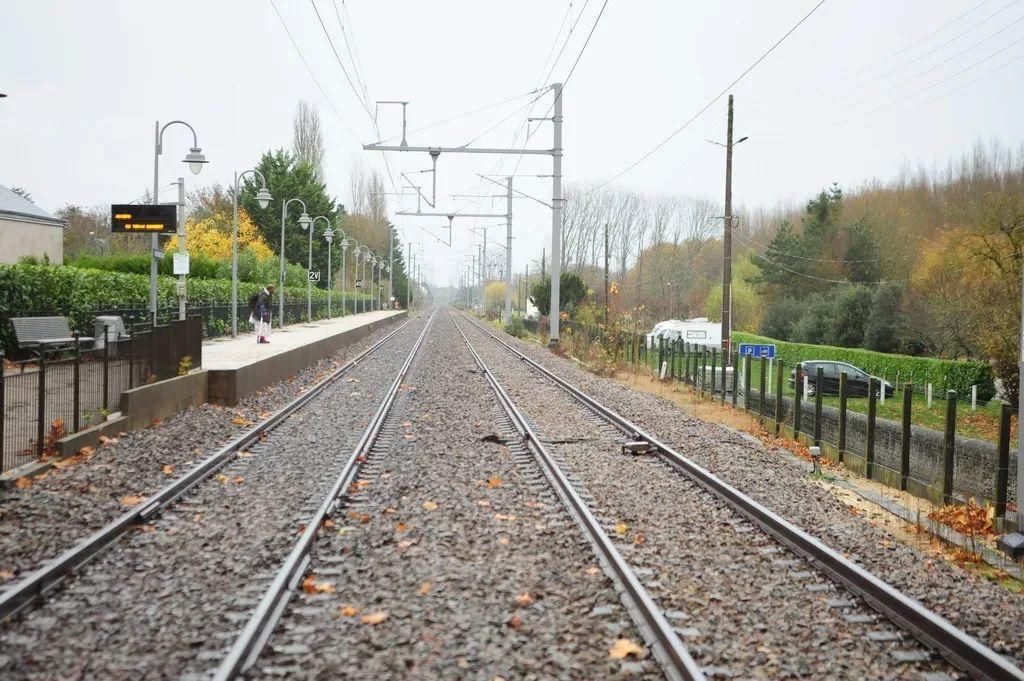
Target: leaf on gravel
x,y
312,586
407,424
504,540
107,440
405,543
328,523
348,611
592,570
197,517
168,469
483,502
410,438
264,414
621,528
131,500
494,481
238,480
245,455
535,504
429,505
221,478
425,588
624,648
239,421
514,622
524,599
375,617
390,509
402,527
639,538
503,516
342,531
6,575
24,482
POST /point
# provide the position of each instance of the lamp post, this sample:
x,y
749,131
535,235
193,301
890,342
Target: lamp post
x,y
309,282
344,297
357,251
263,199
195,160
303,221
329,237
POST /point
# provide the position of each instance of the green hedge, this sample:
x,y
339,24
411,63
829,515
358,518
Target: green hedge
x,y
943,374
200,267
76,293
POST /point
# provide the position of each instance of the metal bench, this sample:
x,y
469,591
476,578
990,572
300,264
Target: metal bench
x,y
38,334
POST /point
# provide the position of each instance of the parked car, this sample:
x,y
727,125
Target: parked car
x,y
856,379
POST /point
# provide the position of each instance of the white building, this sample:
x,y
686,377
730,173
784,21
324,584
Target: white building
x,y
26,229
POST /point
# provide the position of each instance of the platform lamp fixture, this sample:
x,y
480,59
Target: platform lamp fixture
x,y
195,160
309,282
329,237
345,242
367,255
263,199
304,221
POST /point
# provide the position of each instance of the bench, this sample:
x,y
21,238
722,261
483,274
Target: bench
x,y
38,334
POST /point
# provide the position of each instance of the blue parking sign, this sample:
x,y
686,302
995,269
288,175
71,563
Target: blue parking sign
x,y
766,350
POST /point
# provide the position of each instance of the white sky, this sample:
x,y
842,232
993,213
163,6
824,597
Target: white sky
x,y
86,80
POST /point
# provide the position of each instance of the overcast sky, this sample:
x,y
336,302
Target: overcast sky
x,y
859,90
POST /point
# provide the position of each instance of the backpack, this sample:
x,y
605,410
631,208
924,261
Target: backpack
x,y
253,301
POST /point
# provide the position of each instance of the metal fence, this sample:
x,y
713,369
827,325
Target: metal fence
x,y
63,391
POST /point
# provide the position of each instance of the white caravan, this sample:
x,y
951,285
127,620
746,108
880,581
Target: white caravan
x,y
696,331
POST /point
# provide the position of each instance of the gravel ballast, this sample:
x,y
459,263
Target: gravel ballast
x,y
981,608
456,544
68,503
740,600
151,604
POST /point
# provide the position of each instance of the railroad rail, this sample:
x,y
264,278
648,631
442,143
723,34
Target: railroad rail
x,y
253,638
668,649
956,646
33,587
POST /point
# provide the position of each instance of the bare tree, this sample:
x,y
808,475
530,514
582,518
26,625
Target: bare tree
x,y
308,138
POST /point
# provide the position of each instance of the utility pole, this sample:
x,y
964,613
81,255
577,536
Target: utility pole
x,y
1013,544
556,217
408,274
473,280
606,274
508,255
727,246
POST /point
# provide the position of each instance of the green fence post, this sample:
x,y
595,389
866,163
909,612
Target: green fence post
x,y
761,385
842,415
778,396
819,378
746,382
687,351
797,400
661,354
1003,465
735,377
714,360
908,401
725,363
949,445
672,360
872,407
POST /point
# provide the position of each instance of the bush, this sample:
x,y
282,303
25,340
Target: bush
x,y
571,290
944,374
516,328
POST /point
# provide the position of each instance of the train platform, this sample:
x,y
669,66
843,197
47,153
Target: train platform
x,y
240,366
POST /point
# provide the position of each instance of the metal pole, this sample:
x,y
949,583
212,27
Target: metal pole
x,y
234,259
309,282
328,280
556,215
154,240
727,241
391,265
182,291
408,272
344,295
1020,413
280,283
508,255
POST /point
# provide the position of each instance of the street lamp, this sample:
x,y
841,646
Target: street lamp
x,y
358,252
309,282
344,249
375,281
329,237
263,199
195,161
303,221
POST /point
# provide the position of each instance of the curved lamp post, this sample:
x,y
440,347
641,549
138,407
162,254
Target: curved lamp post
x,y
329,237
309,282
358,252
195,160
374,278
303,221
367,260
263,198
345,242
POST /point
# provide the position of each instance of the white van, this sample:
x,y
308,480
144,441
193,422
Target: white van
x,y
697,331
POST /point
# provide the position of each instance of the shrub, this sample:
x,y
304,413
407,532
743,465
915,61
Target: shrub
x,y
944,374
516,328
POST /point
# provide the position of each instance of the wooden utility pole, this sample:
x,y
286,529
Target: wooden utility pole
x,y
727,247
606,274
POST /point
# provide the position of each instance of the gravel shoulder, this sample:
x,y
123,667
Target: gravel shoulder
x,y
972,603
153,604
84,493
452,558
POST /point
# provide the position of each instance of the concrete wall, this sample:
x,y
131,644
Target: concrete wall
x,y
18,238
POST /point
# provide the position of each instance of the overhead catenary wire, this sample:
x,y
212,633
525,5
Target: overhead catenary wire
x,y
348,50
750,242
341,64
707,106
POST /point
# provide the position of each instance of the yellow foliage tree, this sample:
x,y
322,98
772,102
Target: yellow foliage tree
x,y
211,237
494,295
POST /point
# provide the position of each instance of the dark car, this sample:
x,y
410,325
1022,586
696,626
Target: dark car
x,y
856,379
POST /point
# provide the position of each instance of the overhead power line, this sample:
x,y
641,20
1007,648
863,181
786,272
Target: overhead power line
x,y
337,57
707,106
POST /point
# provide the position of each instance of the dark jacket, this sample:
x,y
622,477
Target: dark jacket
x,y
263,306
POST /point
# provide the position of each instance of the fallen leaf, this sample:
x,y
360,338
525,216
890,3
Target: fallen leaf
x,y
6,575
131,500
360,484
168,469
639,538
503,516
221,478
624,647
374,617
494,481
197,517
245,455
328,523
429,506
621,528
425,588
504,540
405,543
238,480
348,611
87,450
106,440
239,421
312,586
525,599
402,527
515,622
592,570
483,502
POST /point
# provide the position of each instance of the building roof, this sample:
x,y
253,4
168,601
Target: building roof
x,y
17,207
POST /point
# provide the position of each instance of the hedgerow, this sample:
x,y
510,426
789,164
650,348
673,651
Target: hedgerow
x,y
943,374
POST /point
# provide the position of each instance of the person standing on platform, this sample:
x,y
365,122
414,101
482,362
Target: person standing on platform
x,y
259,313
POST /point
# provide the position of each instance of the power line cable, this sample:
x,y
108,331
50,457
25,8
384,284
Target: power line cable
x,y
775,251
348,49
707,106
341,64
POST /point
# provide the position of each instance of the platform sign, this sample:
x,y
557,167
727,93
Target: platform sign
x,y
766,350
314,276
359,283
181,263
131,218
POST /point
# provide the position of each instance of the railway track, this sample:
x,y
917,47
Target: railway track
x,y
790,549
